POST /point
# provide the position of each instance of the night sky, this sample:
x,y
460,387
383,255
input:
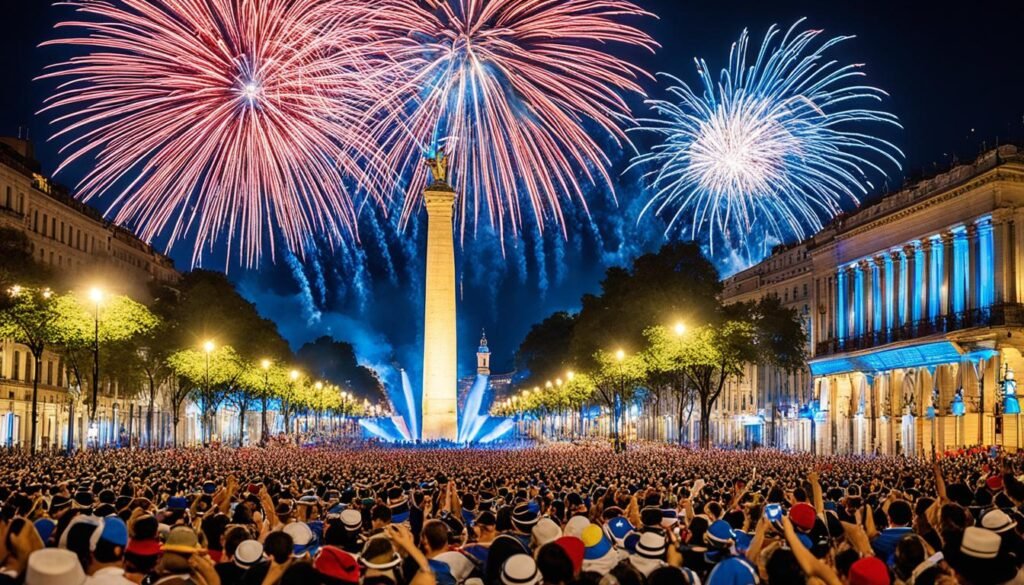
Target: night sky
x,y
955,75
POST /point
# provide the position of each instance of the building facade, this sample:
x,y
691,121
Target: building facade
x,y
913,309
81,247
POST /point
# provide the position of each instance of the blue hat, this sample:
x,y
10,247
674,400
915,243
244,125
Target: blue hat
x,y
45,526
733,571
618,528
596,543
720,533
114,531
629,543
177,503
742,540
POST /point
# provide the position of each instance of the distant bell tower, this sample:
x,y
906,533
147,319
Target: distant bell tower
x,y
483,357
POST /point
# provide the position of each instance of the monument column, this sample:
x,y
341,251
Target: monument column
x,y
440,419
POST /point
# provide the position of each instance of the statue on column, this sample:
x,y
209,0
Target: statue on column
x,y
438,166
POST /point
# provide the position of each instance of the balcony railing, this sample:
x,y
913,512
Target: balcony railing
x,y
996,315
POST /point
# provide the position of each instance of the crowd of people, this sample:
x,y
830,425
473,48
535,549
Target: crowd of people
x,y
562,514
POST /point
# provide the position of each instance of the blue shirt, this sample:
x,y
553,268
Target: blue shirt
x,y
884,544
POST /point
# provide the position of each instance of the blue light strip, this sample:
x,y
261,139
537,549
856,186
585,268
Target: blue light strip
x,y
919,295
841,314
986,277
925,354
890,293
876,297
904,288
860,319
935,279
960,270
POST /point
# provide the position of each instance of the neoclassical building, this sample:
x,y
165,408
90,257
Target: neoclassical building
x,y
913,307
74,240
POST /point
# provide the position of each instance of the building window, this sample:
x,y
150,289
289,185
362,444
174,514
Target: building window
x,y
16,365
62,232
45,221
53,228
49,373
1,364
9,200
35,221
21,203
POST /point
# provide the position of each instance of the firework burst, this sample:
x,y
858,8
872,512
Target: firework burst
x,y
771,149
216,119
514,90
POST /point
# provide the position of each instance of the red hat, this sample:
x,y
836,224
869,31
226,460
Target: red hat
x,y
337,564
869,571
146,547
802,515
995,483
575,548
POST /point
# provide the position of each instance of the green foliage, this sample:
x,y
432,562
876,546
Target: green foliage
x,y
545,352
335,362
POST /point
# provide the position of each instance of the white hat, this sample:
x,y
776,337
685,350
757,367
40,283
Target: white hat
x,y
248,553
545,531
575,526
458,563
54,566
520,570
352,520
980,543
997,521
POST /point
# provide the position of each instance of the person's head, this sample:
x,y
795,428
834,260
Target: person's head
x,y
108,548
434,537
380,516
782,567
900,513
910,552
279,546
232,538
555,565
301,573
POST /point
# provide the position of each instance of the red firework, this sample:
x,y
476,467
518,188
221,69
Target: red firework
x,y
221,118
515,89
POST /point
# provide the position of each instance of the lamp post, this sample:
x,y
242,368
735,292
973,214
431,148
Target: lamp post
x,y
96,296
265,364
208,348
620,357
293,376
319,402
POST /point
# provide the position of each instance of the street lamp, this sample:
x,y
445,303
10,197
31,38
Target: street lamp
x,y
620,356
96,296
680,329
208,347
319,402
265,364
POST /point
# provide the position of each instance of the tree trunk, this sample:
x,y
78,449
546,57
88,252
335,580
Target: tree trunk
x,y
263,422
679,421
242,411
149,413
35,399
174,433
705,425
71,425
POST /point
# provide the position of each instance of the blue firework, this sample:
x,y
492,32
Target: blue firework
x,y
771,150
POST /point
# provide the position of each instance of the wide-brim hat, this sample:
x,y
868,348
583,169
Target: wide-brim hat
x,y
248,553
54,566
183,540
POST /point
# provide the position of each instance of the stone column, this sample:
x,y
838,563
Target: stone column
x,y
910,254
946,306
894,284
926,281
867,296
440,418
880,281
1003,257
971,282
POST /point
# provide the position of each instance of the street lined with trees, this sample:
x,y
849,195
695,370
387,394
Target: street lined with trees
x,y
657,340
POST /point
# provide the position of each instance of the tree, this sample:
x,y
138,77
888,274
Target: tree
x,y
615,380
544,353
213,376
85,325
710,355
17,264
676,283
29,316
335,362
664,359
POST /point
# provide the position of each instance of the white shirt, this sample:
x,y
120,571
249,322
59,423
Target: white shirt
x,y
108,576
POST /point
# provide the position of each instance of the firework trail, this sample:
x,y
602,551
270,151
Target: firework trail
x,y
516,91
221,118
772,148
